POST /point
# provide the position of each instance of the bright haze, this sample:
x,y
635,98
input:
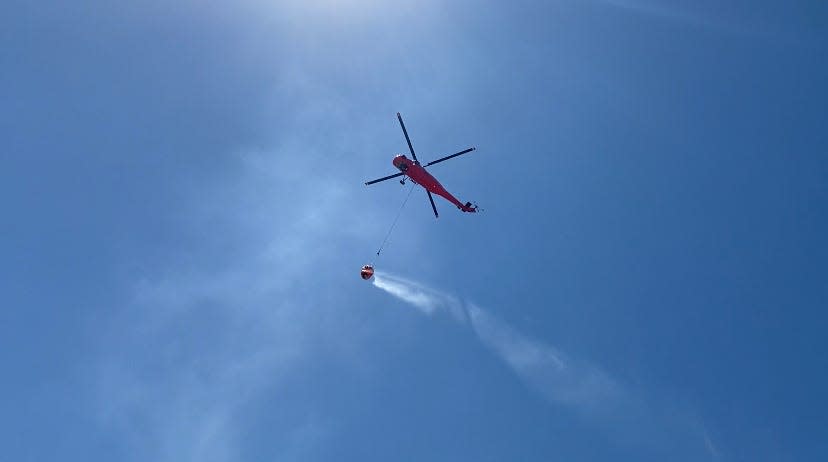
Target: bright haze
x,y
184,218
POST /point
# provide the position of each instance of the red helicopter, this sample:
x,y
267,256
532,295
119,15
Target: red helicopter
x,y
411,169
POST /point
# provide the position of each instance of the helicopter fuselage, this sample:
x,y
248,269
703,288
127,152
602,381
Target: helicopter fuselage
x,y
420,176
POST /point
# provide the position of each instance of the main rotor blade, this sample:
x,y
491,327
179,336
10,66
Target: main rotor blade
x,y
383,178
432,204
407,139
449,157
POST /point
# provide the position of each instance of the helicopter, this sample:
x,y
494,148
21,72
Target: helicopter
x,y
410,169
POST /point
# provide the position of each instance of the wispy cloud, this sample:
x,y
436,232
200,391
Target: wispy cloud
x,y
711,448
202,338
541,366
428,300
564,380
190,353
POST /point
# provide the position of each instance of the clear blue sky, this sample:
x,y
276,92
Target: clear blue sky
x,y
183,222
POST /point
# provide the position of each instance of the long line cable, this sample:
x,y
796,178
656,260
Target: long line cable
x,y
395,220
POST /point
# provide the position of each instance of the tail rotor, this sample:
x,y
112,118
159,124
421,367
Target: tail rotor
x,y
471,207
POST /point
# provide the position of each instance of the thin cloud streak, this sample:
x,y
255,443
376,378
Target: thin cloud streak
x,y
541,366
182,361
563,380
425,298
180,398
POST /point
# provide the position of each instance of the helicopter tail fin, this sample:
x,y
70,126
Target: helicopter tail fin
x,y
469,207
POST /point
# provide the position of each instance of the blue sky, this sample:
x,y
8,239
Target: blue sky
x,y
184,219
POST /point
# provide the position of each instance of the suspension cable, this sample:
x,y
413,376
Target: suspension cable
x,y
395,220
